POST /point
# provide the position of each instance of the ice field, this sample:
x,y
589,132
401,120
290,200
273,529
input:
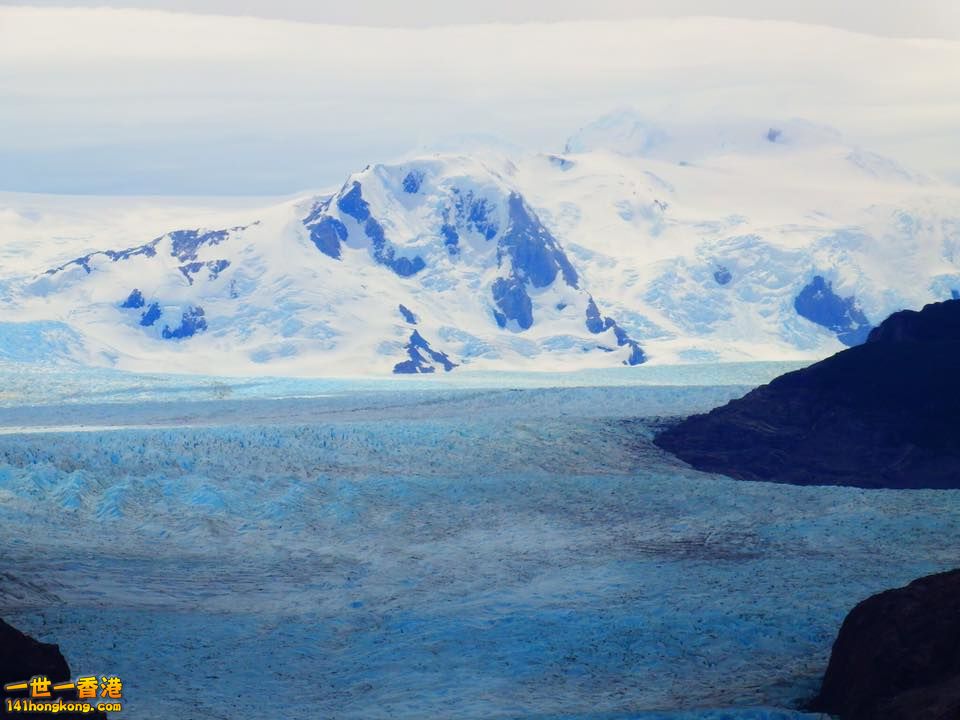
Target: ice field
x,y
501,546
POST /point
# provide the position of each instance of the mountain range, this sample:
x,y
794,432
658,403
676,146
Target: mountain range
x,y
635,244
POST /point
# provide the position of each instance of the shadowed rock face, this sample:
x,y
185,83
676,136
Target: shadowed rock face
x,y
598,324
897,656
820,304
534,257
423,358
934,323
22,657
191,323
885,414
328,234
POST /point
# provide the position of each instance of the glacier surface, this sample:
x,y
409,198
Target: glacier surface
x,y
374,549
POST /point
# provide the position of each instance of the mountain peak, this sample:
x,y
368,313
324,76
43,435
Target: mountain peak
x,y
765,249
627,132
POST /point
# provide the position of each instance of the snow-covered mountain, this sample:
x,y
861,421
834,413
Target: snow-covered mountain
x,y
636,244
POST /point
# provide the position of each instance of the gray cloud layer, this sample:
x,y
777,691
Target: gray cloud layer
x,y
895,18
136,101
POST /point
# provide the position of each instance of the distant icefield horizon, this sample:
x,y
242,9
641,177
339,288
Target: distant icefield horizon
x,y
413,548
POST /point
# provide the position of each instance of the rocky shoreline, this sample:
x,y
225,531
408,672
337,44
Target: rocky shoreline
x,y
885,414
22,657
897,656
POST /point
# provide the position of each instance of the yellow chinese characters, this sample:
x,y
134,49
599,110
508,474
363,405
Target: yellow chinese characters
x,y
88,687
111,687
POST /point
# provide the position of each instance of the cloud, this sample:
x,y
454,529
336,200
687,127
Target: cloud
x,y
919,18
107,100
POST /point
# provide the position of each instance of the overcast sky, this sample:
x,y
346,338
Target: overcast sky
x,y
137,101
898,18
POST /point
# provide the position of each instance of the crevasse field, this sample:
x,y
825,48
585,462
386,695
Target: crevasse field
x,y
489,546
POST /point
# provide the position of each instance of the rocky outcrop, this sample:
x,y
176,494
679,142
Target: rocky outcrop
x,y
897,656
934,323
531,256
423,358
22,657
885,414
817,302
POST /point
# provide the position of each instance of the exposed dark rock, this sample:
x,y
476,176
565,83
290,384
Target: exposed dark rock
x,y
352,203
214,268
185,243
407,313
327,233
134,300
405,267
22,657
885,414
818,303
191,269
637,356
474,213
192,322
384,253
151,315
183,246
412,182
451,238
595,322
598,324
897,656
423,358
534,253
722,275
148,250
533,256
319,209
936,322
513,301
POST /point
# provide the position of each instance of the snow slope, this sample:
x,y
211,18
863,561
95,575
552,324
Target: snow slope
x,y
637,244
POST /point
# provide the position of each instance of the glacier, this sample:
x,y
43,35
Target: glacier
x,y
503,545
767,239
